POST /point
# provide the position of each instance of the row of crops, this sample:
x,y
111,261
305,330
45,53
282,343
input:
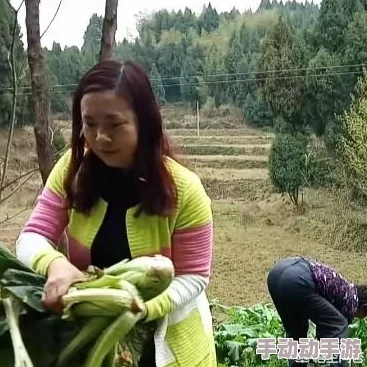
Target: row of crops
x,y
236,336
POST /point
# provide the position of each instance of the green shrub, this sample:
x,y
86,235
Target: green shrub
x,y
321,168
58,144
287,164
352,141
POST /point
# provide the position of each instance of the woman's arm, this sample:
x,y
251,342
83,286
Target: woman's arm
x,y
333,286
35,246
192,244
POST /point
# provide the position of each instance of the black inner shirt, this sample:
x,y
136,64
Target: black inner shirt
x,y
120,189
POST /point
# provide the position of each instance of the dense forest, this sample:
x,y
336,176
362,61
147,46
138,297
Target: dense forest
x,y
286,64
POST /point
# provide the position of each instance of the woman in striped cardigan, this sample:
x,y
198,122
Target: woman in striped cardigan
x,y
119,193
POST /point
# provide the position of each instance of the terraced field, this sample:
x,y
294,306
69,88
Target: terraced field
x,y
229,163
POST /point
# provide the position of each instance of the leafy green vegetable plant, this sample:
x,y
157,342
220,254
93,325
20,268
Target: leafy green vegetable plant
x,y
99,314
236,336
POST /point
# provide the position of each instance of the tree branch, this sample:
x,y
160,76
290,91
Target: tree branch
x,y
22,210
14,102
15,10
18,178
44,32
14,215
17,188
16,78
52,19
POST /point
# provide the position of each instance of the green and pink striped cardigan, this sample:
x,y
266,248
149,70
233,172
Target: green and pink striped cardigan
x,y
184,336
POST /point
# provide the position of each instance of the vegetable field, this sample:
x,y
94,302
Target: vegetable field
x,y
236,337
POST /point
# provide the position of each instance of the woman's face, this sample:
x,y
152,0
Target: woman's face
x,y
110,128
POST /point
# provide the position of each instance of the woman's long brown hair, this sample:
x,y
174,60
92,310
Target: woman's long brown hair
x,y
157,189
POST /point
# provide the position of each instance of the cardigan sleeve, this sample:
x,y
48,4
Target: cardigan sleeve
x,y
36,244
192,244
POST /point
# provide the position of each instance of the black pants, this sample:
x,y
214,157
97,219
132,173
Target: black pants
x,y
295,297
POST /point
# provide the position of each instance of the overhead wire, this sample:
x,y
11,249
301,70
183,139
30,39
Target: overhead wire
x,y
258,72
204,82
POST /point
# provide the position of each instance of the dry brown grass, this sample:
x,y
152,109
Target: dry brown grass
x,y
219,132
226,139
250,237
244,145
243,189
233,174
226,149
225,162
218,157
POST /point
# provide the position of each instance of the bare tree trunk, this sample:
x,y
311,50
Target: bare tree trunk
x,y
109,30
40,97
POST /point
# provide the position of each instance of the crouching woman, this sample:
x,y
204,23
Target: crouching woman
x,y
303,290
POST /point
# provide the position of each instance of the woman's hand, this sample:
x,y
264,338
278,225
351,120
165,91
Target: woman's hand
x,y
144,313
61,275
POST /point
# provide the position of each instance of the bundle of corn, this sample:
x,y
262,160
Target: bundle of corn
x,y
112,301
101,314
